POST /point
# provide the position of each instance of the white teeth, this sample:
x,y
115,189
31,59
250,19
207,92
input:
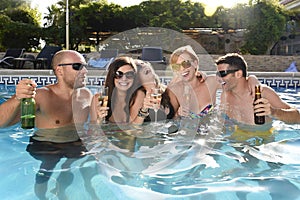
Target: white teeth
x,y
223,83
123,84
184,74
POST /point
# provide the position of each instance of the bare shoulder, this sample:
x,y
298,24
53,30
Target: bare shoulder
x,y
267,90
45,90
211,79
274,99
212,82
140,95
85,92
269,93
176,86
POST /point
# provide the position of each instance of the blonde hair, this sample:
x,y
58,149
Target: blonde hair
x,y
184,49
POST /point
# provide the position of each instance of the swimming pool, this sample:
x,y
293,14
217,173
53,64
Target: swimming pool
x,y
126,164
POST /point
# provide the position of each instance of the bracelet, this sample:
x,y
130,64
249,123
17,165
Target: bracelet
x,y
146,110
143,114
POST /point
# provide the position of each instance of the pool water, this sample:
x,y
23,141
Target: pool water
x,y
147,162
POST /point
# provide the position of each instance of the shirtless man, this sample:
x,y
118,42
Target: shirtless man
x,y
190,95
58,107
237,100
59,104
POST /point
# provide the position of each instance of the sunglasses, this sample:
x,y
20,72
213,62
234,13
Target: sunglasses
x,y
224,73
185,64
75,66
129,75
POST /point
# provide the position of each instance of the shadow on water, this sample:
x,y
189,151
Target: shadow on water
x,y
161,162
186,163
50,154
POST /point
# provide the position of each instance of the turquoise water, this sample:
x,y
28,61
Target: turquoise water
x,y
147,163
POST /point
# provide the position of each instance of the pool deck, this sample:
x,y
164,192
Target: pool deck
x,y
96,77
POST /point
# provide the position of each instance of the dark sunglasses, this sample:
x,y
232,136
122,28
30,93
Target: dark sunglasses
x,y
185,64
224,73
129,75
75,66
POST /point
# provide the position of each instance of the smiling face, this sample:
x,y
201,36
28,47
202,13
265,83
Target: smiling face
x,y
146,73
186,66
226,76
70,75
124,82
231,69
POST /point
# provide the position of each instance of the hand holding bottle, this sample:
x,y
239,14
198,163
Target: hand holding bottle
x,y
259,105
25,91
26,88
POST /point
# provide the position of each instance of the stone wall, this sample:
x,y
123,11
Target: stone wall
x,y
261,63
266,63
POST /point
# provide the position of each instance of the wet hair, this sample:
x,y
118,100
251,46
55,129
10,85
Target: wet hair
x,y
110,83
235,61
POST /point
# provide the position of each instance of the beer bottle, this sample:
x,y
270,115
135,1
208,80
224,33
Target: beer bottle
x,y
27,113
258,119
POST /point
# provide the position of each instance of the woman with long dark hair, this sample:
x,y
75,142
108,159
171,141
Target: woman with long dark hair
x,y
121,93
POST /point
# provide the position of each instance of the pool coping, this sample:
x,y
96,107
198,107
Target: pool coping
x,y
97,77
159,72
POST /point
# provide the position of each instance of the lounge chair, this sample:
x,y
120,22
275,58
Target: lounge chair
x,y
41,61
292,67
105,58
155,56
10,55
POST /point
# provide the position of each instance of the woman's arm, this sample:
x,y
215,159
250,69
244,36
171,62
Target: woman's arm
x,y
140,109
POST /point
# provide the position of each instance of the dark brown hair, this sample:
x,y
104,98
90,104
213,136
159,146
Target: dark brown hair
x,y
235,61
109,82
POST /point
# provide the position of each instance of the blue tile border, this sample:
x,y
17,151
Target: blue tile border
x,y
286,82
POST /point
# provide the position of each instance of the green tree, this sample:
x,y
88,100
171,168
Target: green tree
x,y
19,28
266,24
10,4
263,19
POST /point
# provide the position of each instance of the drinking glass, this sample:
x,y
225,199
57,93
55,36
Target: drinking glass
x,y
156,98
103,98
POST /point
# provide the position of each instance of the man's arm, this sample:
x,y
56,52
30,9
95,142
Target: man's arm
x,y
272,105
10,110
290,115
252,82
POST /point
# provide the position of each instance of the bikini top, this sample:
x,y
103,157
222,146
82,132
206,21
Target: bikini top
x,y
203,113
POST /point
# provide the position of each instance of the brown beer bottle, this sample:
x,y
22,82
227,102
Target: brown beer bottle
x,y
258,119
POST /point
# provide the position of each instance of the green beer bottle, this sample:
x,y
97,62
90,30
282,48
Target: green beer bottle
x,y
27,113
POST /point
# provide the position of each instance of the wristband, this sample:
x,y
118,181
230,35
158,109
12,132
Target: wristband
x,y
144,110
143,114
